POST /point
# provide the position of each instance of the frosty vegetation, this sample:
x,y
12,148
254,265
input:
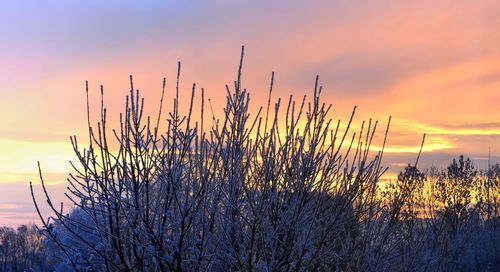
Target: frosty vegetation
x,y
286,189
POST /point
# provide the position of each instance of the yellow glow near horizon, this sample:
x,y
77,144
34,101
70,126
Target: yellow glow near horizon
x,y
415,149
18,159
425,128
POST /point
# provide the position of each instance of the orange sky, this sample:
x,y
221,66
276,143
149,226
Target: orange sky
x,y
433,65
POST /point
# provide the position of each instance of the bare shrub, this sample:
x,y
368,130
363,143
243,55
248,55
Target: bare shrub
x,y
242,195
282,189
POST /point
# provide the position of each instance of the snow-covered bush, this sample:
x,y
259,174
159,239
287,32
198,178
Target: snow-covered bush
x,y
277,190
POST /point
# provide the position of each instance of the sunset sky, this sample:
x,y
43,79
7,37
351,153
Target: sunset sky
x,y
434,66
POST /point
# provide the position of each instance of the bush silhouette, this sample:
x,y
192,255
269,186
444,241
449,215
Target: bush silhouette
x,y
248,193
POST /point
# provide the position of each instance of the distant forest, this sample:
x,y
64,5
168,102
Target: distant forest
x,y
282,189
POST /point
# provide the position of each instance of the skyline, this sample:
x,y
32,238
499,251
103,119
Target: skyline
x,y
433,66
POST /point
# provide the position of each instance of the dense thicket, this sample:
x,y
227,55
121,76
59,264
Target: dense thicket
x,y
283,190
